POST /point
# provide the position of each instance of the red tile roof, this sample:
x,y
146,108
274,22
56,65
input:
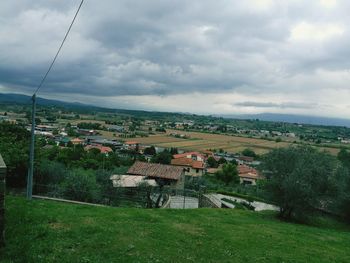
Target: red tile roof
x,y
77,140
156,170
188,162
248,172
184,155
103,149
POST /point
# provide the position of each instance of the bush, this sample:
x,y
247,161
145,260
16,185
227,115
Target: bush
x,y
212,163
228,174
80,185
249,152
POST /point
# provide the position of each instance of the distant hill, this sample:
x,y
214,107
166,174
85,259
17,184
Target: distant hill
x,y
275,117
24,99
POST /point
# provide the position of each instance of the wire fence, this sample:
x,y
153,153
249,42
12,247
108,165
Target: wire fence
x,y
137,197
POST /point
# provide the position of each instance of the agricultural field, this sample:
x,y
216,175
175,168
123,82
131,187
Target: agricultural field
x,y
198,141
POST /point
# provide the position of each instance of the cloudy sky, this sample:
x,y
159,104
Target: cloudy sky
x,y
200,56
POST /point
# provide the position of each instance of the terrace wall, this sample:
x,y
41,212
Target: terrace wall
x,y
2,201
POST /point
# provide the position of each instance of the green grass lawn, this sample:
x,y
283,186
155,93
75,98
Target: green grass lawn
x,y
48,231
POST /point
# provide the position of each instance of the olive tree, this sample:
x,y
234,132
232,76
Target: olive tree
x,y
299,179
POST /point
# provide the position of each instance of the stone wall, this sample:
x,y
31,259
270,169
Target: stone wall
x,y
2,201
205,201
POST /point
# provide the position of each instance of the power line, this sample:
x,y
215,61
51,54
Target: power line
x,y
59,49
32,137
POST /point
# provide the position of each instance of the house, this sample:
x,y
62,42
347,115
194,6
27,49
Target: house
x,y
77,141
207,153
103,149
162,173
45,128
44,133
248,175
63,141
214,170
87,132
63,134
131,181
191,167
191,155
131,145
245,159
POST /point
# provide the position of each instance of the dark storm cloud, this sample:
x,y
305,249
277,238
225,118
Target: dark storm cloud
x,y
120,48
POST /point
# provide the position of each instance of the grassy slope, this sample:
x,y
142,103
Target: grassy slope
x,y
46,231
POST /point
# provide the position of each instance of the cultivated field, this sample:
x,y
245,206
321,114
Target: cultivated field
x,y
203,141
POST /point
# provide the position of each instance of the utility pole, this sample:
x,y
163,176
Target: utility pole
x,y
32,141
184,190
31,153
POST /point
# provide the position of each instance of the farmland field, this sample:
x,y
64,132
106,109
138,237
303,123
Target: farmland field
x,y
203,141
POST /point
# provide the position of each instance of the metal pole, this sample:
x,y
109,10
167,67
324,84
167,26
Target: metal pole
x,y
184,192
31,153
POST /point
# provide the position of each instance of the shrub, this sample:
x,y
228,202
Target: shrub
x,y
80,185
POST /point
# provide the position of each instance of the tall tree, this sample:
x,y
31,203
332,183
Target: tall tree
x,y
299,179
228,174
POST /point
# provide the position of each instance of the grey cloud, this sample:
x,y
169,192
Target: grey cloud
x,y
283,105
169,47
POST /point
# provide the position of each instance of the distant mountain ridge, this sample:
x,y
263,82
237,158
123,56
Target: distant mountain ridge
x,y
25,99
275,117
292,118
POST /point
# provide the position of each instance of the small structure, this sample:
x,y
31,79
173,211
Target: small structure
x,y
87,132
103,149
191,167
131,181
245,159
131,145
45,128
248,175
191,155
162,173
77,141
62,141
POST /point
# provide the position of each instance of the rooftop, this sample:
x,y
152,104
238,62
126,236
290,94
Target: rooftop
x,y
188,162
156,170
130,180
103,149
182,155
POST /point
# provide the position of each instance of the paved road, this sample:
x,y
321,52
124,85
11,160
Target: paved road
x,y
178,201
259,206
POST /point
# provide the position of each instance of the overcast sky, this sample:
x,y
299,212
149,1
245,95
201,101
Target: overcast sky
x,y
200,56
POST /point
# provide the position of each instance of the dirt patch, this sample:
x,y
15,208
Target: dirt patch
x,y
59,226
189,229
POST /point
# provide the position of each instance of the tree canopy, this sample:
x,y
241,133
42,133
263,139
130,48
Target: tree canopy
x,y
299,179
228,174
